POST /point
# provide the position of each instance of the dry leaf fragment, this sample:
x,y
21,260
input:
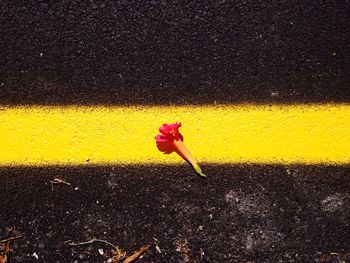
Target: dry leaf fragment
x,y
5,252
117,255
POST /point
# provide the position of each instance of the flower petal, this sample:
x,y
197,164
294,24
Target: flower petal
x,y
164,129
175,126
175,129
161,138
166,146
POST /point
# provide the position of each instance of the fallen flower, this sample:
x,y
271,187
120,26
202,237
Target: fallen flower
x,y
171,140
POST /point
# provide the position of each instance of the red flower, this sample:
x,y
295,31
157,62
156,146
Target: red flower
x,y
169,133
171,140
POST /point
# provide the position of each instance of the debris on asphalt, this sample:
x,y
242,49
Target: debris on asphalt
x,y
137,254
10,239
158,249
117,254
156,244
182,246
59,181
5,252
200,228
94,240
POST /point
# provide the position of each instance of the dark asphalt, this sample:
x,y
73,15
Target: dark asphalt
x,y
248,213
183,52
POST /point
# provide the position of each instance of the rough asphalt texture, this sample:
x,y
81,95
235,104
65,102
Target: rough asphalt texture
x,y
178,52
248,213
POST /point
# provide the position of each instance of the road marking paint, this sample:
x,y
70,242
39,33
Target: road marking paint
x,y
75,135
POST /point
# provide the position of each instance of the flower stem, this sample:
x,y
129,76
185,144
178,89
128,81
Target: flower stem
x,y
182,150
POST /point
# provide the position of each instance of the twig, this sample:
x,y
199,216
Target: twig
x,y
59,181
72,244
137,254
10,239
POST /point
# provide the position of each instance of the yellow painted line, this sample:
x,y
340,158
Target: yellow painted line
x,y
308,134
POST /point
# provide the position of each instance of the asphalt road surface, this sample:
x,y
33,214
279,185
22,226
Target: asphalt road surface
x,y
175,52
238,214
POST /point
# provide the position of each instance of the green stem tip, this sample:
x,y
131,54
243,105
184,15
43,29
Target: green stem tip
x,y
198,170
